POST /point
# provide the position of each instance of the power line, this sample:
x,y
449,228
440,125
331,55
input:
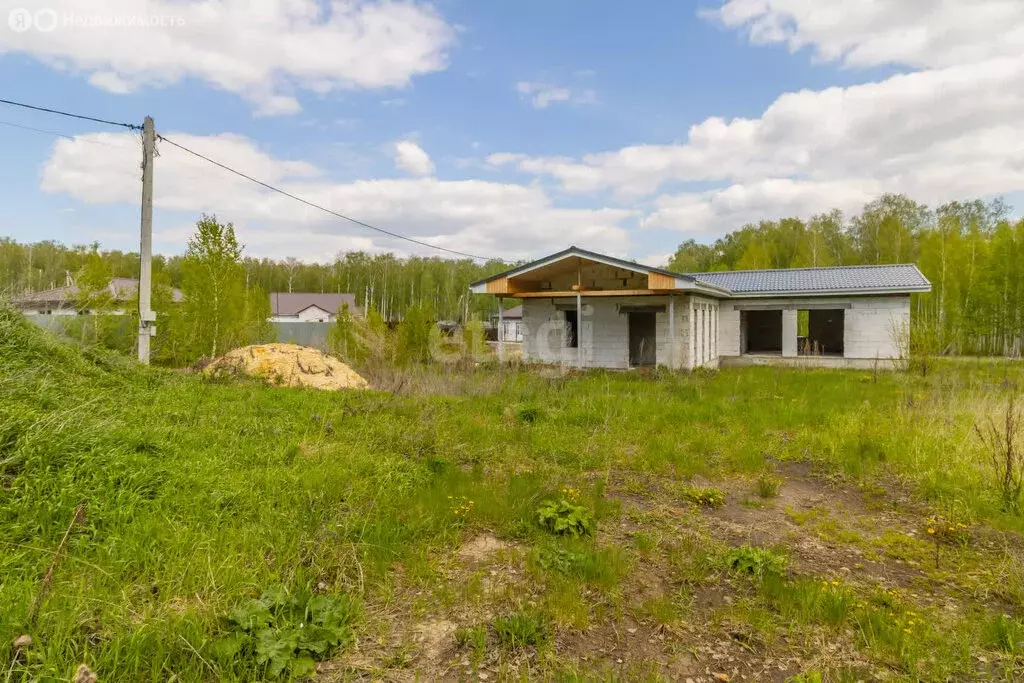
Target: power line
x,y
129,126
134,127
58,134
317,206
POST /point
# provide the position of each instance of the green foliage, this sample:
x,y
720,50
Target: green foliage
x,y
757,562
521,629
218,312
529,414
768,485
474,340
1005,633
283,634
564,518
473,638
197,492
704,496
415,336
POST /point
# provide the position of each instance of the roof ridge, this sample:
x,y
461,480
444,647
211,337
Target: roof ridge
x,y
864,266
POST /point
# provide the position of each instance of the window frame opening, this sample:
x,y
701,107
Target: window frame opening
x,y
572,329
761,332
821,332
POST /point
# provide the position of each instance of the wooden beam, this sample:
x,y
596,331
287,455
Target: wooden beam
x,y
595,292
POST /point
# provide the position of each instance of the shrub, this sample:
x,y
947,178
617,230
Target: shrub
x,y
564,518
757,562
283,634
768,485
520,629
706,497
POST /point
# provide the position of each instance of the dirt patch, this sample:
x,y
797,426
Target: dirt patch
x,y
481,548
288,365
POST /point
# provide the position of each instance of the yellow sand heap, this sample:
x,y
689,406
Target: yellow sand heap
x,y
289,365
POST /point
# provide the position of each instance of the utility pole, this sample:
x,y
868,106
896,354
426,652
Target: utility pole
x,y
147,318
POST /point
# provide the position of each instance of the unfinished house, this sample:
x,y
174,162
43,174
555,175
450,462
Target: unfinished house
x,y
590,310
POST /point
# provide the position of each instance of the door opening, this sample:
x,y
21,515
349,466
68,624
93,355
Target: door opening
x,y
642,339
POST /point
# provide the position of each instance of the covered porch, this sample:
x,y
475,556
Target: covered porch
x,y
588,310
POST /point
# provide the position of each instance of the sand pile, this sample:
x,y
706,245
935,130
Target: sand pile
x,y
289,365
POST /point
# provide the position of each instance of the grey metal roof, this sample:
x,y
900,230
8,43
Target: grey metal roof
x,y
896,278
293,303
122,289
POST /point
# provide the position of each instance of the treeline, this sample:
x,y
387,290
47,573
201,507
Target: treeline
x,y
384,282
972,253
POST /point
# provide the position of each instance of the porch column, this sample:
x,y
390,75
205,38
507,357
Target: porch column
x,y
789,330
672,331
579,329
501,329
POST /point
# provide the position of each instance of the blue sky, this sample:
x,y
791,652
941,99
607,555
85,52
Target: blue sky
x,y
503,129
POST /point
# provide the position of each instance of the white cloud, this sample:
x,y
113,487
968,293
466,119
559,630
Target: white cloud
x,y
263,51
952,129
935,134
411,158
474,216
916,33
543,95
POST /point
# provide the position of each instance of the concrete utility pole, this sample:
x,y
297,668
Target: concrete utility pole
x,y
147,318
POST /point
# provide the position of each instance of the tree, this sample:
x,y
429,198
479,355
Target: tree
x,y
214,303
94,296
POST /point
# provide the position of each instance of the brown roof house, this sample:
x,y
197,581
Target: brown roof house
x,y
62,300
309,307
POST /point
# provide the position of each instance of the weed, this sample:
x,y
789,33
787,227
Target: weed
x,y
768,485
564,518
521,629
757,562
283,634
1005,633
475,639
1005,454
707,497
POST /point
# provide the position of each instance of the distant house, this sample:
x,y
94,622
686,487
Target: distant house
x,y
592,310
309,307
511,327
62,300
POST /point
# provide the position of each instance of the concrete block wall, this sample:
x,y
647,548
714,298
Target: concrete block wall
x,y
703,329
604,331
867,326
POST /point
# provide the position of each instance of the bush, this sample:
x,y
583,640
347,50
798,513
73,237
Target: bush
x,y
564,518
768,485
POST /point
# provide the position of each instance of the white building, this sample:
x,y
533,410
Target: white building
x,y
309,307
510,328
590,310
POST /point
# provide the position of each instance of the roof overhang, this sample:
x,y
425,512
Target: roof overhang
x,y
659,280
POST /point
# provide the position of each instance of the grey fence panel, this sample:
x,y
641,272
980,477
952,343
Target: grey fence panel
x,y
303,334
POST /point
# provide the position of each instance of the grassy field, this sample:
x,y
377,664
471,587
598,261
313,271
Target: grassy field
x,y
757,524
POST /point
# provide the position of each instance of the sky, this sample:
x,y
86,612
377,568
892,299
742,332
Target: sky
x,y
501,129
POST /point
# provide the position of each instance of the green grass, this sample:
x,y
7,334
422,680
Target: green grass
x,y
201,495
